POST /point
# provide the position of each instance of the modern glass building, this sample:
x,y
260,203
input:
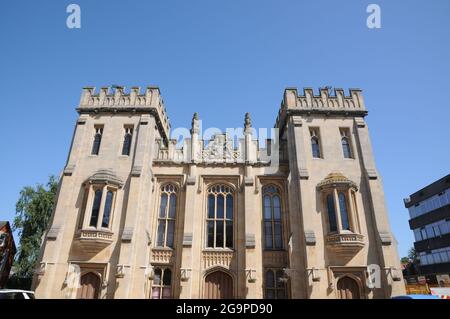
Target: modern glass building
x,y
429,211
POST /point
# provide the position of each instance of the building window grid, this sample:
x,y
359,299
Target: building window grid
x,y
166,216
97,140
433,230
219,219
162,283
127,140
346,143
274,284
342,214
436,256
102,207
315,143
430,204
272,210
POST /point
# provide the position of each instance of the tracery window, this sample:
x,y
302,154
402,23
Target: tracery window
x,y
97,140
346,144
339,194
127,139
273,236
166,216
315,142
162,283
274,285
219,219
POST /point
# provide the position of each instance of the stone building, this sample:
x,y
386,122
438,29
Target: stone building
x,y
138,217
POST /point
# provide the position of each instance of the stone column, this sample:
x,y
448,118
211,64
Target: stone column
x,y
135,245
386,246
253,248
298,210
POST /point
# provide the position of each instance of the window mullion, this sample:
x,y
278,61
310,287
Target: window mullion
x,y
166,224
272,216
102,207
337,210
215,219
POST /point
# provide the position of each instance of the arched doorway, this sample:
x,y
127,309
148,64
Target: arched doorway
x,y
218,285
89,286
348,288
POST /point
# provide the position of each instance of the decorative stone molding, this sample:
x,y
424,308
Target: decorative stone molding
x,y
163,255
250,275
310,238
136,171
345,242
386,238
52,234
105,176
134,101
94,240
359,121
371,173
127,234
68,171
336,179
295,104
187,240
250,241
217,258
275,258
303,173
248,181
191,180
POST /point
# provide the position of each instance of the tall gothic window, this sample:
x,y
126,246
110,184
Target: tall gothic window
x,y
344,211
275,286
339,195
272,218
107,210
126,148
219,220
315,143
166,217
331,213
97,140
96,208
162,283
346,145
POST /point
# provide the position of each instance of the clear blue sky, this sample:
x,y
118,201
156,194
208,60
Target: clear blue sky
x,y
222,59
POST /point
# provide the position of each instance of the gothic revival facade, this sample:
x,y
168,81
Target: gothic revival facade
x,y
139,217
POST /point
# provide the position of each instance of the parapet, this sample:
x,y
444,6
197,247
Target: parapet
x,y
134,101
326,102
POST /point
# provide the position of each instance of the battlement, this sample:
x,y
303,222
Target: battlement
x,y
117,99
326,102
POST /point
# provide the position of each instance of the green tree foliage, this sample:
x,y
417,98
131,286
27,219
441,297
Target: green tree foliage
x,y
412,255
33,212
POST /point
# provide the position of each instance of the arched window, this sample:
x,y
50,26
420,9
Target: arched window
x,y
97,140
315,143
331,213
166,217
345,141
272,218
344,211
107,211
275,286
339,195
96,208
219,220
162,282
127,141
